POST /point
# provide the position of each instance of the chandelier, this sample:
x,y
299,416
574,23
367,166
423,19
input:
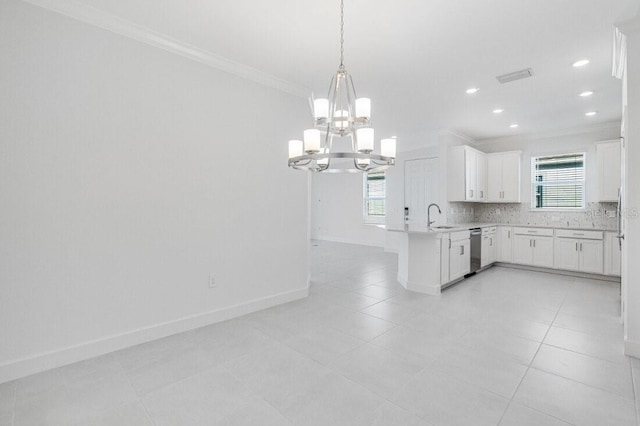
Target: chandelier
x,y
342,115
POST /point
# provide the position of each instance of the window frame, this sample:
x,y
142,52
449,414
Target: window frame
x,y
534,184
368,218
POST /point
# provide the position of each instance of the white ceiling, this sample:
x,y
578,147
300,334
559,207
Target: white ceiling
x,y
416,58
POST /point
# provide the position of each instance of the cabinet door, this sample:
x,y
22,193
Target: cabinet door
x,y
567,254
543,252
493,248
465,257
485,256
454,262
459,259
609,167
471,168
510,177
611,254
591,256
494,178
505,246
522,249
481,177
445,243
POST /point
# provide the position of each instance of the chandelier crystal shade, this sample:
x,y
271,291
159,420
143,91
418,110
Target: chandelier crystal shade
x,y
341,116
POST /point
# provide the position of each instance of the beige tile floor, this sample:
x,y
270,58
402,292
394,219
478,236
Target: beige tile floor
x,y
506,347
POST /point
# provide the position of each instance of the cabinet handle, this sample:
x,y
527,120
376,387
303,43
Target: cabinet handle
x,y
530,243
490,242
461,250
449,243
481,194
471,193
534,243
580,246
508,234
576,246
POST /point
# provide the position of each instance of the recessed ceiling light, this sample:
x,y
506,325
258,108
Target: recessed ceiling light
x,y
587,93
591,113
581,63
498,111
514,125
472,90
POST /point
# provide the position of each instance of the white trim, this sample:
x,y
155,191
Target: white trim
x,y
458,134
583,130
44,361
107,21
608,278
632,348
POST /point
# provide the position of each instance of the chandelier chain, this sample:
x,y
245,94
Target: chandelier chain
x,y
341,33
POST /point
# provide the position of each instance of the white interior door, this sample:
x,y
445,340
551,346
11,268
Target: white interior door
x,y
420,189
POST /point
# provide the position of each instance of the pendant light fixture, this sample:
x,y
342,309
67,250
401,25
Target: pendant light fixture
x,y
341,115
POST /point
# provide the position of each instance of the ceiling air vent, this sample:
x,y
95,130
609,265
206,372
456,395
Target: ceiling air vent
x,y
513,76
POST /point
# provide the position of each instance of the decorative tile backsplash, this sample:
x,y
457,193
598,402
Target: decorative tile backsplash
x,y
596,215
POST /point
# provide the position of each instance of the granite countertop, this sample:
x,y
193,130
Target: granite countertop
x,y
421,229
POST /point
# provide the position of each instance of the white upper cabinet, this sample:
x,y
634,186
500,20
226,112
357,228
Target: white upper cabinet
x,y
471,174
609,170
466,174
503,177
481,177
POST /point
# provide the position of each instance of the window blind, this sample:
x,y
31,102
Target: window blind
x,y
558,181
375,195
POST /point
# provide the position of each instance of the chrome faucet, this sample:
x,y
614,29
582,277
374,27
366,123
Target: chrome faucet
x,y
429,221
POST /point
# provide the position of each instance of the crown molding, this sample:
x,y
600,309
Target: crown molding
x,y
107,21
458,134
555,134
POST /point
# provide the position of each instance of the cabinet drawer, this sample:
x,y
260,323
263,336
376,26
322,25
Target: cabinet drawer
x,y
544,232
459,235
587,235
489,230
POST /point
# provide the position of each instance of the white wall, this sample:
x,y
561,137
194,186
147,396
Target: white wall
x,y
532,146
128,175
337,208
631,249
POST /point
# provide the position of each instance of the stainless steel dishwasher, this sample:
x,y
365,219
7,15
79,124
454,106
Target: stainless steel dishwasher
x,y
476,249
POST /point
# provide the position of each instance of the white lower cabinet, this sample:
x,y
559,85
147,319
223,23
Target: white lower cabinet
x,y
455,256
505,244
579,251
567,254
611,254
489,245
533,247
459,259
543,252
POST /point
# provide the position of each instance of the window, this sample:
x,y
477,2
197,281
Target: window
x,y
558,181
374,190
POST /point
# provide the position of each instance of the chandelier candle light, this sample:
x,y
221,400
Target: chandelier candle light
x,y
341,115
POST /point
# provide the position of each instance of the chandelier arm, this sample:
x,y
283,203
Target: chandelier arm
x,y
341,33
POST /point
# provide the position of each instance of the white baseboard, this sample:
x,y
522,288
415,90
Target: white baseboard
x,y
419,288
632,348
16,369
424,289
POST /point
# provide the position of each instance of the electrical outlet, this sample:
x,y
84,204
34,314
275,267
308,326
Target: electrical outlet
x,y
498,212
212,281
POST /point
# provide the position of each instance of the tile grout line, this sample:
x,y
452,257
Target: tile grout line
x,y
531,363
144,407
15,401
635,391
